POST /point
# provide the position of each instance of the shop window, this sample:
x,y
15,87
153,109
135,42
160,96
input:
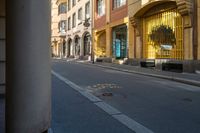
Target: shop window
x,y
163,35
62,8
100,7
118,3
74,20
87,10
62,26
120,42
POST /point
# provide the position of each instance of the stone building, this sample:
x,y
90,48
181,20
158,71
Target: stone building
x,y
58,27
167,32
78,36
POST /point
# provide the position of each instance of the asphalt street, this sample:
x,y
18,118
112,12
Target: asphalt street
x,y
72,113
160,105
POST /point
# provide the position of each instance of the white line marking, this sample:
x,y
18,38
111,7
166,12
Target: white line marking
x,y
91,97
130,123
116,114
107,108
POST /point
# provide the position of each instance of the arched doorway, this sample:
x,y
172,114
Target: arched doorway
x,y
86,44
64,48
100,48
77,45
163,33
69,48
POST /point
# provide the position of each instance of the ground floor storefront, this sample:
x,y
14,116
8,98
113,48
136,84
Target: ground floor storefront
x,y
160,34
111,41
77,46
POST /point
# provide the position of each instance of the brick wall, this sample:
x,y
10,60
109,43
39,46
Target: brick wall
x,y
98,21
119,13
2,46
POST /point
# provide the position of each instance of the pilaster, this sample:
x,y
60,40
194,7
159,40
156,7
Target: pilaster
x,y
108,41
131,43
185,8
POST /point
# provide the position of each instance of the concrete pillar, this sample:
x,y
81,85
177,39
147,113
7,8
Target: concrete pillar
x,y
108,41
28,73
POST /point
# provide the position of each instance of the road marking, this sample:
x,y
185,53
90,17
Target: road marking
x,y
107,108
130,123
116,114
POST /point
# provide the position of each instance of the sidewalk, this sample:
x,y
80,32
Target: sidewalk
x,y
187,78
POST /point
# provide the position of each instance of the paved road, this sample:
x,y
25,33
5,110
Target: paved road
x,y
72,113
160,105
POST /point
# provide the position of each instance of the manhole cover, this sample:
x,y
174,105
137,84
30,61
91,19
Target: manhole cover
x,y
107,94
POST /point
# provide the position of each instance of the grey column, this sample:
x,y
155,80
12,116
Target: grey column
x,y
28,78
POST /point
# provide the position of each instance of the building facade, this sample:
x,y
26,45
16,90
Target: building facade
x,y
71,29
78,36
111,27
58,27
158,31
165,31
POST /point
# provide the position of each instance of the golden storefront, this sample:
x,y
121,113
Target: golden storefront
x,y
163,32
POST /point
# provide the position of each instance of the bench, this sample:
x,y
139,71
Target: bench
x,y
149,63
173,67
99,60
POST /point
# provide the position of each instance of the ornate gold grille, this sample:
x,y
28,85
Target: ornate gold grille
x,y
163,35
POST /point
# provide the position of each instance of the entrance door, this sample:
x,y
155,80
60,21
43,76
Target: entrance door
x,y
87,44
120,42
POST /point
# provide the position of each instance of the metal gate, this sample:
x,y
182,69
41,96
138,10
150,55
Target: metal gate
x,y
163,35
